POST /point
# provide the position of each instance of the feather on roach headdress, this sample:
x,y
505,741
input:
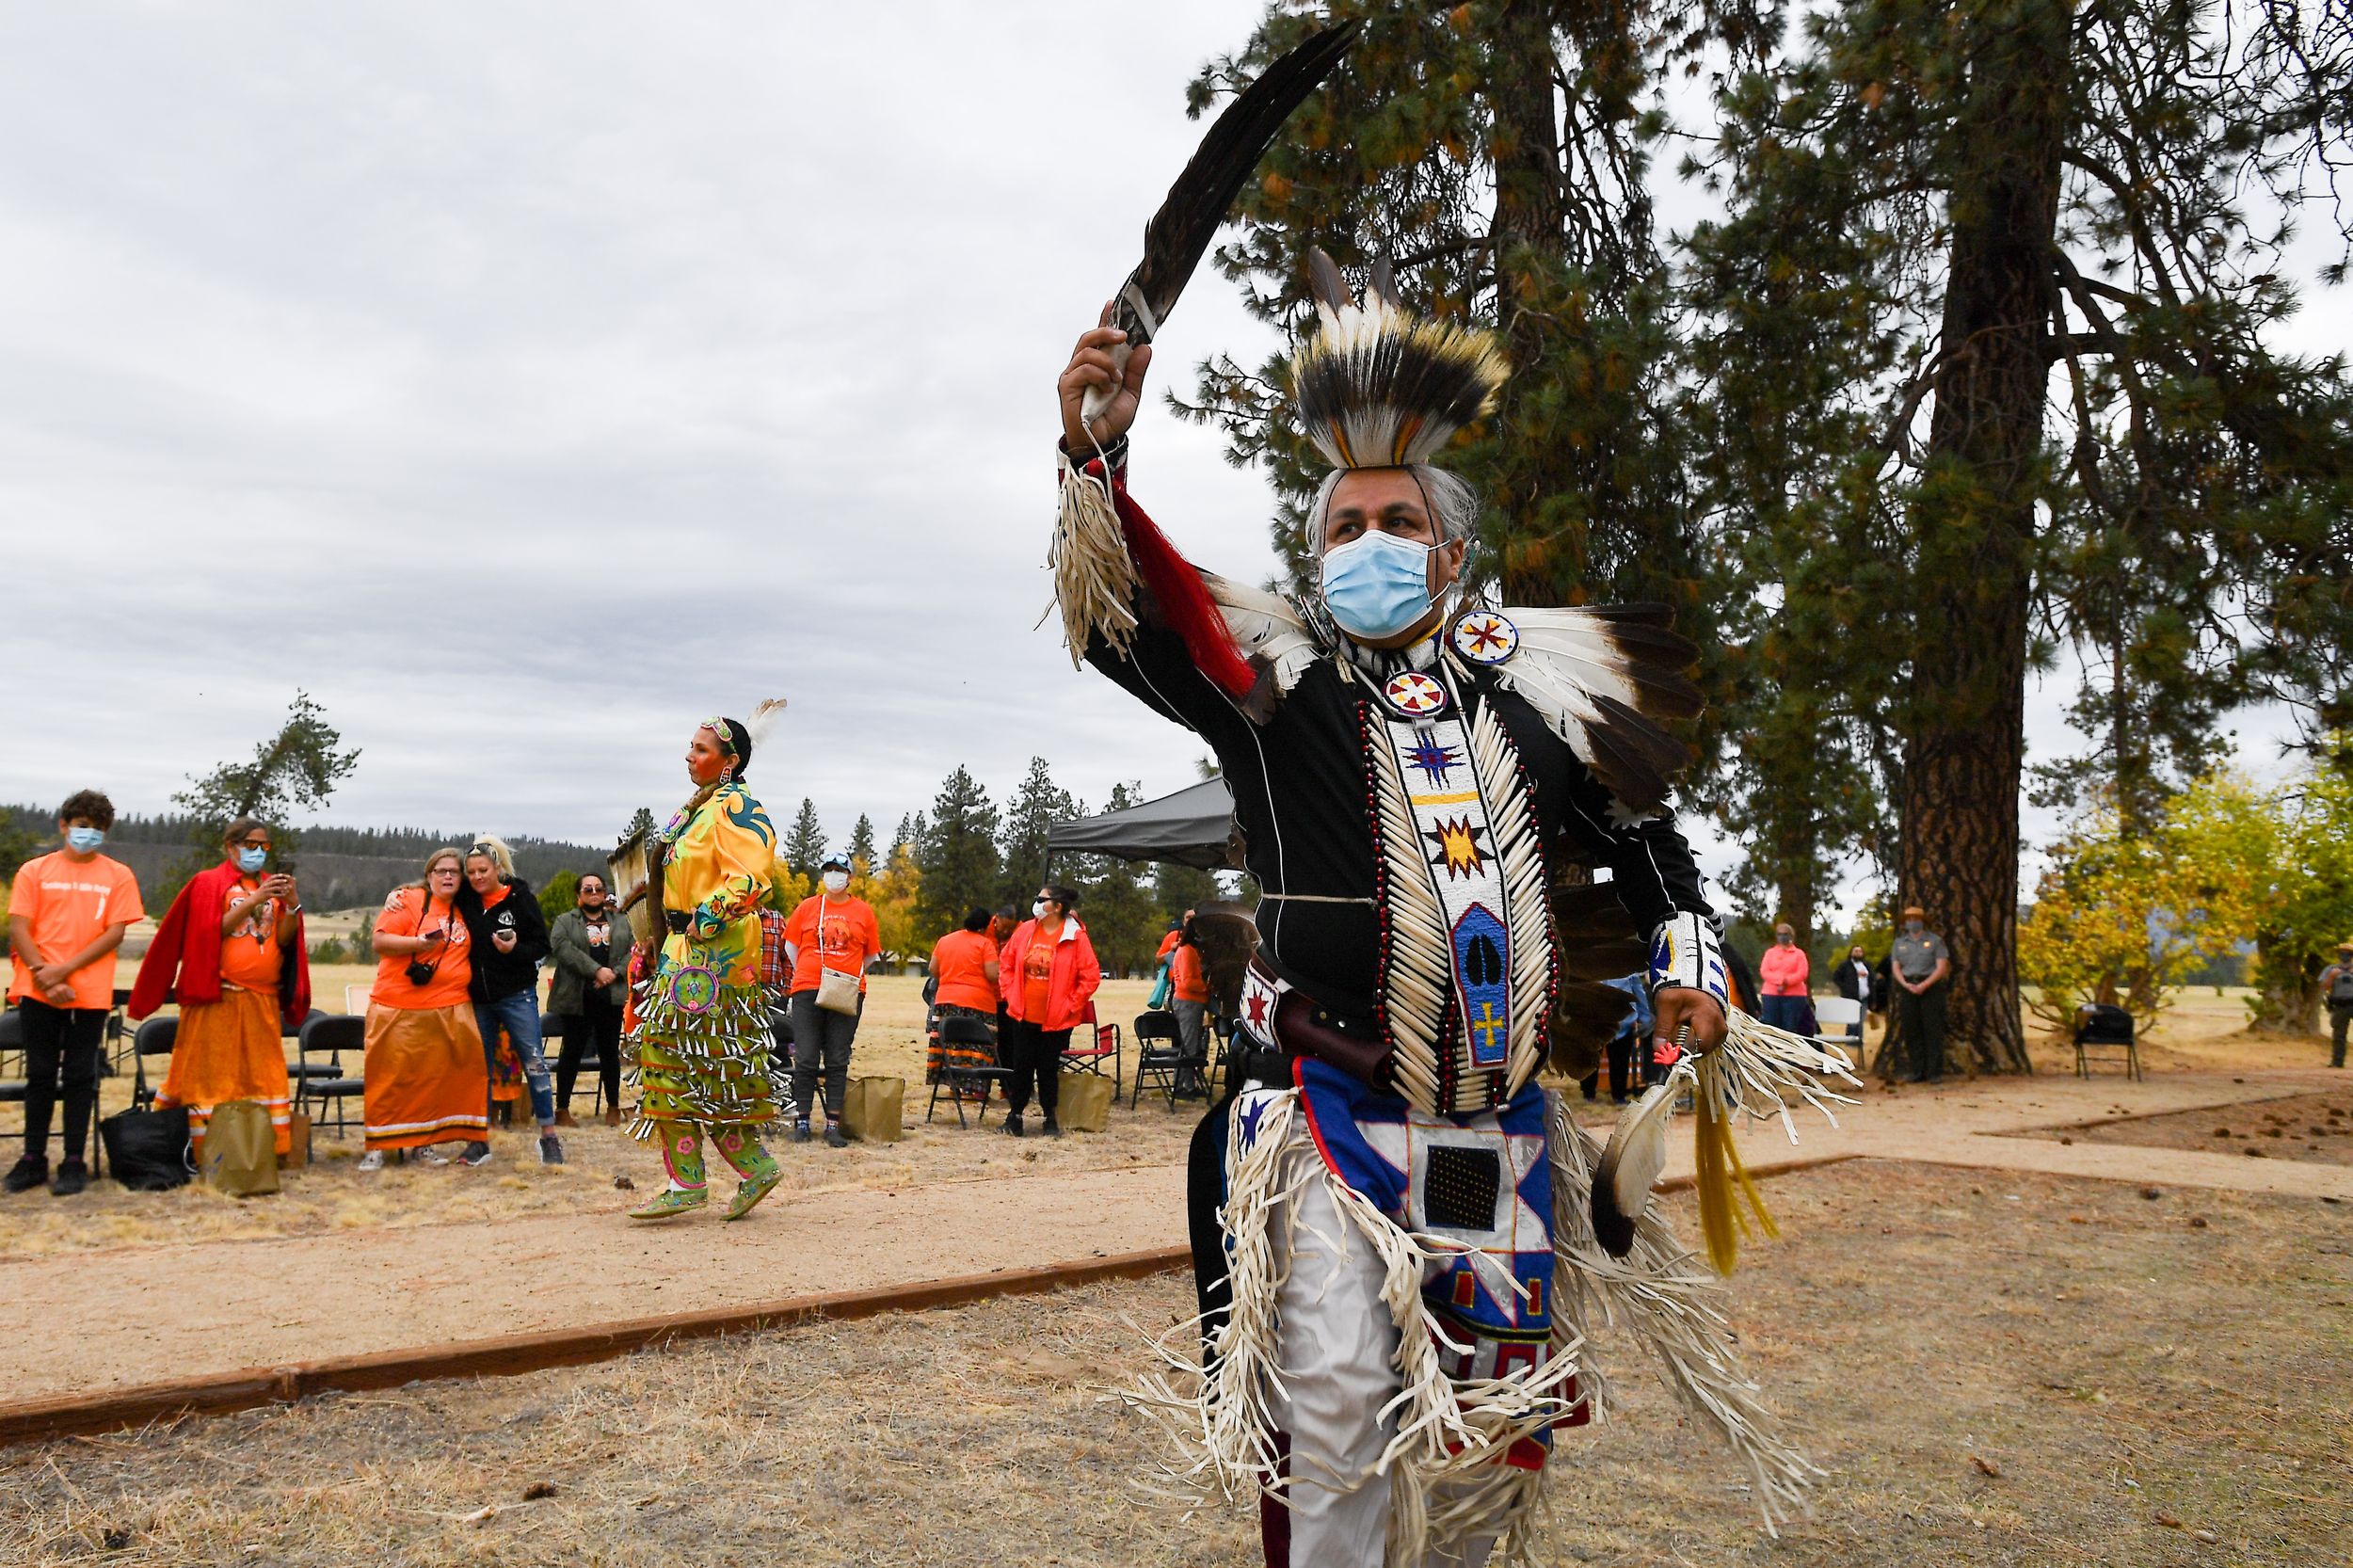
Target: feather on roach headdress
x,y
1379,386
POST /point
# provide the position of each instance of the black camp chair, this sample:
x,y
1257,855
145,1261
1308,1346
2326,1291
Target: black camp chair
x,y
325,1075
2101,1027
958,1080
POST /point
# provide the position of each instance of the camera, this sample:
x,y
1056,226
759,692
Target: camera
x,y
421,975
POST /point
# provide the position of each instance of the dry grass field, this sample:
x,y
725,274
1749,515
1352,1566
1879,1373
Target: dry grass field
x,y
1997,1370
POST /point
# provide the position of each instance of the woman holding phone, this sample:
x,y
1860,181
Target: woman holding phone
x,y
426,1080
231,953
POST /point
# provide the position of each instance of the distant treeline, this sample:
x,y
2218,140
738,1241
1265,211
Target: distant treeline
x,y
340,867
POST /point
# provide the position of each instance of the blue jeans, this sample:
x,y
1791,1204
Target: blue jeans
x,y
519,1016
1783,1013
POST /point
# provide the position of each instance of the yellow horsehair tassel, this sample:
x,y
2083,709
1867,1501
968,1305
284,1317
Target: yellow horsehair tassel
x,y
1723,1180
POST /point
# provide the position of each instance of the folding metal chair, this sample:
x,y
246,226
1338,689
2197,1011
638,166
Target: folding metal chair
x,y
155,1037
1840,1020
328,1035
1154,1059
2099,1026
959,1077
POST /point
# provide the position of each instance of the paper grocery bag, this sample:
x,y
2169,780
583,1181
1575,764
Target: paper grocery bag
x,y
1083,1101
870,1107
240,1155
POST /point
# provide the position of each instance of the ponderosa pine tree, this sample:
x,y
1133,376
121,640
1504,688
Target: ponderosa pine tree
x,y
804,847
1033,809
956,852
1957,234
861,850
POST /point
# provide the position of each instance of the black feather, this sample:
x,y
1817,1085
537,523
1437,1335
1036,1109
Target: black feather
x,y
1589,912
1189,219
1633,755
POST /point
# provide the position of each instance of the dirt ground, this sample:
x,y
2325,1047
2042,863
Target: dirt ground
x,y
1995,1370
2318,1128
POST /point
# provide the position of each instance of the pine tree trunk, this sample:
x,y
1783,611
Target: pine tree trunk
x,y
1975,524
1528,215
2288,993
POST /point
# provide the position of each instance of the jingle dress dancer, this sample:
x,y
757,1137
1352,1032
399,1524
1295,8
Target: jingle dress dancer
x,y
699,1039
1394,1228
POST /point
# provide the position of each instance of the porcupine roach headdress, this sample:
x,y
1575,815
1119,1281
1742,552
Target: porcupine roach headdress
x,y
1379,386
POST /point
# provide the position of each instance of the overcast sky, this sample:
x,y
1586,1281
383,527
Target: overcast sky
x,y
530,381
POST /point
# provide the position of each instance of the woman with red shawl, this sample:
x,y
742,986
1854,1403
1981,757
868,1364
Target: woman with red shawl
x,y
230,952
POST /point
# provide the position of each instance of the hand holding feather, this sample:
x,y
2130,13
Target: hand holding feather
x,y
1682,1008
1101,388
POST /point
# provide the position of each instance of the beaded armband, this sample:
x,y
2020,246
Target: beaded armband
x,y
1686,951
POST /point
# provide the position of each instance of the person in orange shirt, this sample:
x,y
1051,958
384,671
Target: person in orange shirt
x,y
1783,970
964,984
832,929
230,951
428,1082
66,913
1053,961
1189,998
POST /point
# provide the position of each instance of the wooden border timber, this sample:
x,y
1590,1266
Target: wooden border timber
x,y
114,1408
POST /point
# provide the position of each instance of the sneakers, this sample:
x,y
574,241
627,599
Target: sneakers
x,y
834,1139
476,1154
550,1149
429,1155
1012,1124
372,1161
72,1176
25,1174
799,1133
1052,1127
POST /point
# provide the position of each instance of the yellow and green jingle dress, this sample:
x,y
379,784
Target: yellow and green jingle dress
x,y
699,1049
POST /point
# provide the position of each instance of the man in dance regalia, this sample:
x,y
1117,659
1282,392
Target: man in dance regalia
x,y
1395,1232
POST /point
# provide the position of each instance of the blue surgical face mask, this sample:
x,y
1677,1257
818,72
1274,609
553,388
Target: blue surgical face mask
x,y
84,839
1377,585
251,860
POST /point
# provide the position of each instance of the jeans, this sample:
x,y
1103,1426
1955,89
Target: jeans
x,y
519,1015
821,1039
600,1027
1035,1055
1783,1013
63,1042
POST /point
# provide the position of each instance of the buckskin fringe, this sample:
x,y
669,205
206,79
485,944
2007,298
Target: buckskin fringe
x,y
1094,579
1661,1294
1447,1480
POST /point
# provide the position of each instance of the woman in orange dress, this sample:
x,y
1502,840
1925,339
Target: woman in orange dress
x,y
231,953
426,1080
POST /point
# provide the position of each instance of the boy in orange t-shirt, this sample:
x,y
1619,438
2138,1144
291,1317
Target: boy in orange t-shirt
x,y
66,913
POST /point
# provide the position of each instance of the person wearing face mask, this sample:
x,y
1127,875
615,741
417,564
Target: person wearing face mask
x,y
66,913
833,929
699,1039
590,944
1782,972
1051,974
1920,967
1855,981
510,937
1413,771
231,951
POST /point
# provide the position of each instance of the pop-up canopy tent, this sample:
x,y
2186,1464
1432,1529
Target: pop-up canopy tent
x,y
1191,827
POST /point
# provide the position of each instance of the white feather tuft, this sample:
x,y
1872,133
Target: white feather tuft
x,y
763,719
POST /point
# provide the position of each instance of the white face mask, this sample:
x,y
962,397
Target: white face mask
x,y
836,881
1037,910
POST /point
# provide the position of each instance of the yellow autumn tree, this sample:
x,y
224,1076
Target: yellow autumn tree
x,y
2122,918
893,892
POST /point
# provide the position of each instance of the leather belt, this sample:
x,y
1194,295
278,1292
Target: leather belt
x,y
1284,1022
